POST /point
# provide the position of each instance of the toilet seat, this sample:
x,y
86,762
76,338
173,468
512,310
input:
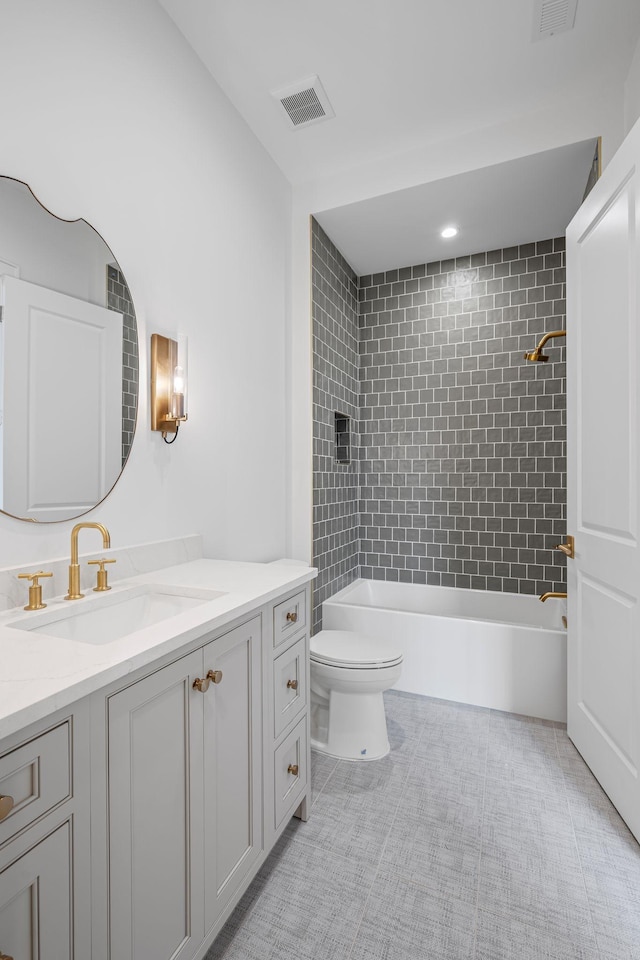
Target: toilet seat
x,y
345,649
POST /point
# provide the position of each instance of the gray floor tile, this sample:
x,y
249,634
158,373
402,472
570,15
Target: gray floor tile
x,y
403,922
322,767
354,813
500,938
474,814
436,843
308,905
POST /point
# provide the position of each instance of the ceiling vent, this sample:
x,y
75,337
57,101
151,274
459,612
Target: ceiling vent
x,y
304,102
553,16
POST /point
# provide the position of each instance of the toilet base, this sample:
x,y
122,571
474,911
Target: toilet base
x,y
349,726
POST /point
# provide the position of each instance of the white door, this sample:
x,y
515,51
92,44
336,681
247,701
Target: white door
x,y
62,417
155,815
603,314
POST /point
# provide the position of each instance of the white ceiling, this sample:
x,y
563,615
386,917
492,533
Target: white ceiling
x,y
399,73
405,74
532,198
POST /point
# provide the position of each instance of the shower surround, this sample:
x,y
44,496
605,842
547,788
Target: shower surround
x,y
461,458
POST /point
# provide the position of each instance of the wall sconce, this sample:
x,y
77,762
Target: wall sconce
x,y
168,385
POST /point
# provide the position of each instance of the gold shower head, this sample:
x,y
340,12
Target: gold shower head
x,y
537,356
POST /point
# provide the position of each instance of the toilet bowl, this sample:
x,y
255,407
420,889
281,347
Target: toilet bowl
x,y
349,673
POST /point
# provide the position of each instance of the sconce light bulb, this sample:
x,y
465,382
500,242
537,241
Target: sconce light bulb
x,y
178,380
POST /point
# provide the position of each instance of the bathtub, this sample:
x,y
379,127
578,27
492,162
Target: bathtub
x,y
500,650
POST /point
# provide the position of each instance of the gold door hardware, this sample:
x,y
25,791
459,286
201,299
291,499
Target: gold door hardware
x,y
102,583
35,592
536,355
292,617
568,548
564,621
292,684
546,596
293,769
202,684
74,566
6,806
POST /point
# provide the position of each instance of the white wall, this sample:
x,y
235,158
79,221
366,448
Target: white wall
x,y
569,121
108,115
632,92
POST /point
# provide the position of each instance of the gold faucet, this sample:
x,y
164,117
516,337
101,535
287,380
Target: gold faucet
x,y
74,566
537,355
545,596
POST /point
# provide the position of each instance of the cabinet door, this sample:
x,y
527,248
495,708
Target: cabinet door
x,y
232,764
155,815
35,902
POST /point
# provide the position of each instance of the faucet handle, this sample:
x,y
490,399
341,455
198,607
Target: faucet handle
x,y
101,582
35,590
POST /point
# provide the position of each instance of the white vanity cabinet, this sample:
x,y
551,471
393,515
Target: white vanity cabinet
x,y
143,810
44,856
185,794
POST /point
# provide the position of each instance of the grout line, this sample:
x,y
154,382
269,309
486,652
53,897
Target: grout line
x,y
575,840
484,793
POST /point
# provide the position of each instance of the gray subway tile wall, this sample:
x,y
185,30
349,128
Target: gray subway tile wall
x,y
336,491
461,460
119,298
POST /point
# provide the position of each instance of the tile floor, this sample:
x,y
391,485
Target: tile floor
x,y
482,836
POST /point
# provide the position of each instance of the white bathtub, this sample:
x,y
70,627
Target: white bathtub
x,y
500,650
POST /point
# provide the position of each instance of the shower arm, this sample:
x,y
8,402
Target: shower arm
x,y
536,356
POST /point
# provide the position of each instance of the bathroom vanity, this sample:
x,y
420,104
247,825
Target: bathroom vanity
x,y
146,775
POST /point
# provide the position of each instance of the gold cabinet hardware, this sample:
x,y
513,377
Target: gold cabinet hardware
x,y
547,596
35,592
102,582
564,622
292,684
202,684
74,566
6,806
292,616
293,769
568,548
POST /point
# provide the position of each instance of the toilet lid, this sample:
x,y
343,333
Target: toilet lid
x,y
342,648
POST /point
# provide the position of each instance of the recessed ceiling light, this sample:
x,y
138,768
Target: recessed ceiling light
x,y
449,232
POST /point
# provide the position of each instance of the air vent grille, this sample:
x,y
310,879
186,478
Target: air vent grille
x,y
303,107
304,102
553,16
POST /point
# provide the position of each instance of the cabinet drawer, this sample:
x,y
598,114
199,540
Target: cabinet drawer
x,y
37,777
289,685
290,769
289,617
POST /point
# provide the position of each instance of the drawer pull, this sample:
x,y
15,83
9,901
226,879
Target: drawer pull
x,y
292,684
213,676
292,617
6,806
293,769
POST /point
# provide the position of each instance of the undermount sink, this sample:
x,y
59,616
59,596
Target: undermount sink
x,y
113,617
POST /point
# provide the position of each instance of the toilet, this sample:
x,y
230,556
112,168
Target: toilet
x,y
349,673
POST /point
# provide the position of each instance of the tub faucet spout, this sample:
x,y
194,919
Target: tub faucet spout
x,y
545,596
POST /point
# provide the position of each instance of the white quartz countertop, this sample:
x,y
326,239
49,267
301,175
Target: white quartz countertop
x,y
40,674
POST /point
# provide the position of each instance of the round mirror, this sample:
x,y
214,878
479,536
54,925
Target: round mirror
x,y
68,362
